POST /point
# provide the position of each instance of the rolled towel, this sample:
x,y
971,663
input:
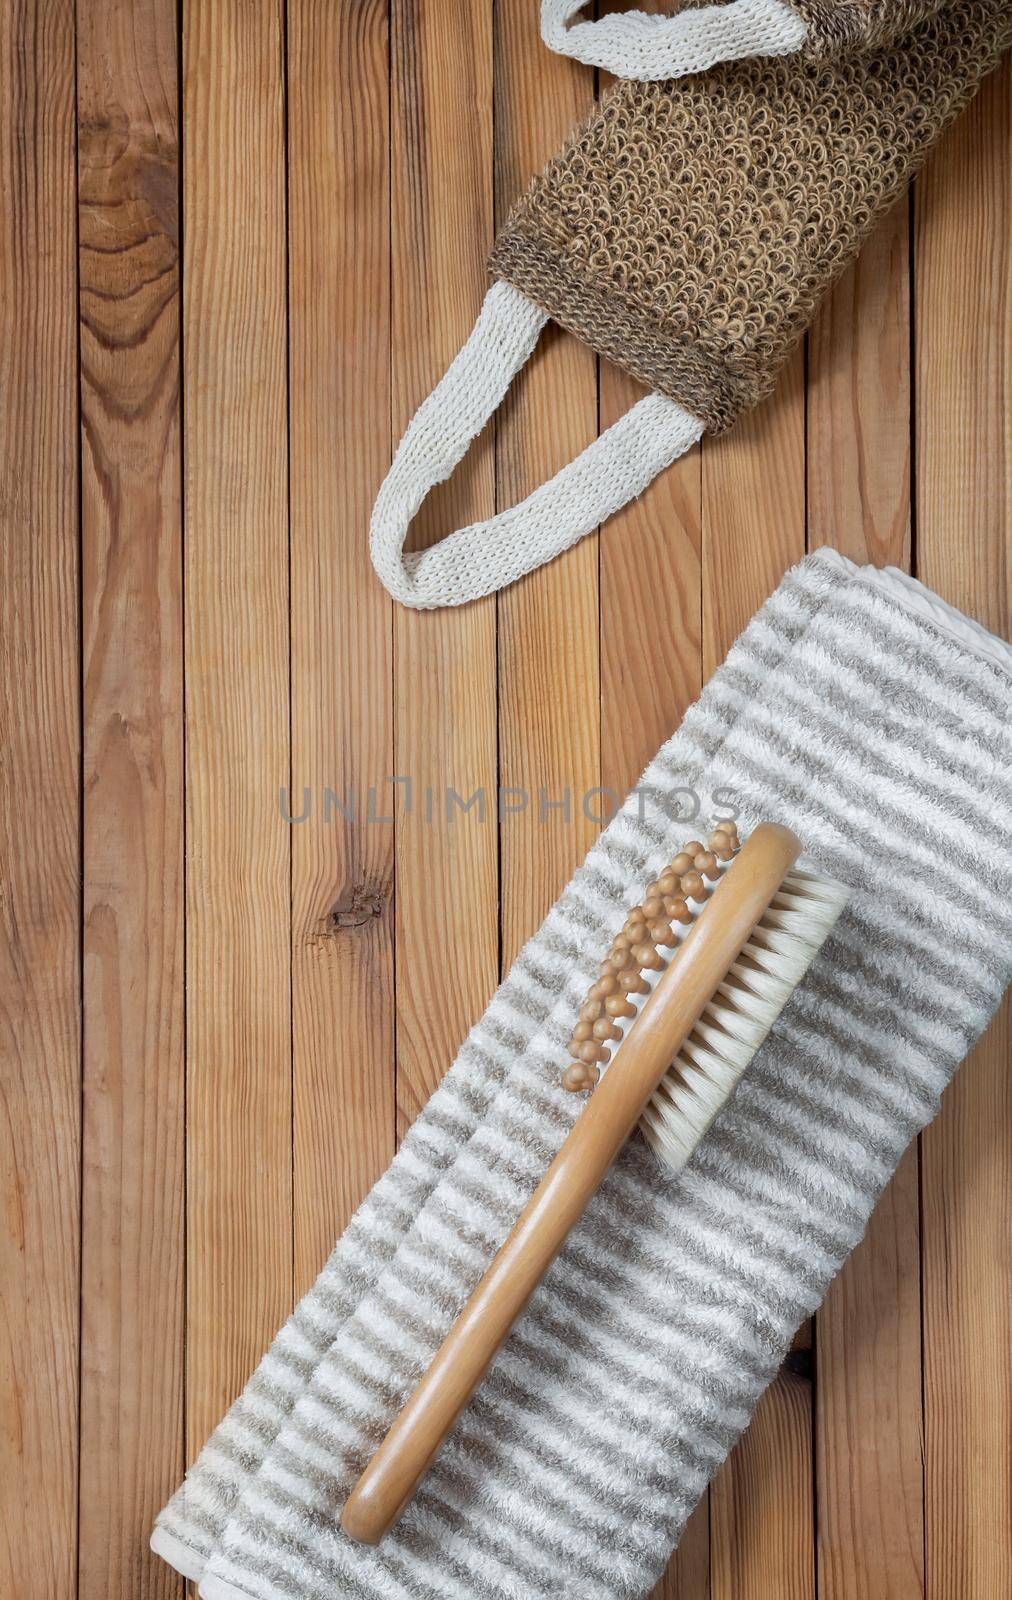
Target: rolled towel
x,y
871,718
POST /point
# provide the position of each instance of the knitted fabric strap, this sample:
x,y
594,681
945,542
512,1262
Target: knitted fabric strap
x,y
689,229
872,719
647,47
485,556
641,45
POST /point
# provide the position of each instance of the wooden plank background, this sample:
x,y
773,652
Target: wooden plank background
x,y
239,244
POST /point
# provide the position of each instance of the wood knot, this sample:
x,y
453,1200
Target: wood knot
x,y
354,908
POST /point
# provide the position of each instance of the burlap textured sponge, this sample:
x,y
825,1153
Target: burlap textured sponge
x,y
689,228
836,27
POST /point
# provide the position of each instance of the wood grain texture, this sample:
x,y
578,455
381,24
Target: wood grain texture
x,y
868,1336
132,1221
753,510
445,677
963,209
40,1025
345,165
858,394
651,604
342,655
549,665
761,1529
238,1013
868,1409
687,1576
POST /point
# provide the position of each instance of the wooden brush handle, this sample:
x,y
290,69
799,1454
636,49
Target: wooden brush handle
x,y
667,1017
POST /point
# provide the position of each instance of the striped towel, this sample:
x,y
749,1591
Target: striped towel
x,y
871,718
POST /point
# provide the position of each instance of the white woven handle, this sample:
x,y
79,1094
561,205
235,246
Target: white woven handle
x,y
486,556
636,44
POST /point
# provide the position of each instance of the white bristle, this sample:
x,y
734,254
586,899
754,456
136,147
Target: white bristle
x,y
736,1021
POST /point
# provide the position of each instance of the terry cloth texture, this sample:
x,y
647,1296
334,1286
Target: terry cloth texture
x,y
689,229
873,720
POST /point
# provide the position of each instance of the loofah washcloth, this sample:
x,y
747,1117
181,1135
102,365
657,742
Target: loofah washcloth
x,y
688,232
689,229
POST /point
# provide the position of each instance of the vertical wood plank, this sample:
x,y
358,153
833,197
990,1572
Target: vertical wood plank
x,y
651,590
859,422
40,1027
761,1523
342,666
445,697
651,575
761,1503
687,1576
753,512
859,405
869,1487
963,317
239,1242
132,1221
548,623
868,1427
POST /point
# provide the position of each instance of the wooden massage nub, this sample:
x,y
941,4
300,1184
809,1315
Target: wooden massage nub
x,y
687,993
648,929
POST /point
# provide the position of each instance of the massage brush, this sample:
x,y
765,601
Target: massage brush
x,y
687,993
